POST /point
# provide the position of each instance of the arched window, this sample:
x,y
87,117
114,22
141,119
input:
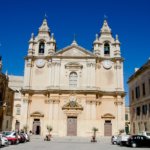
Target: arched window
x,y
18,109
106,49
73,79
41,48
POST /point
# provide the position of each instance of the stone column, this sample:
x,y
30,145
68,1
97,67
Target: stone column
x,y
27,75
88,74
53,74
50,109
93,110
88,109
57,74
92,75
50,74
118,74
120,113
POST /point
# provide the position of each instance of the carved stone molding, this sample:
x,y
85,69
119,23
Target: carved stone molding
x,y
72,113
51,100
118,103
90,64
73,65
72,105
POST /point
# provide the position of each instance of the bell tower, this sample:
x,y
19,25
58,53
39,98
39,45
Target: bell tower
x,y
44,43
105,45
107,50
41,48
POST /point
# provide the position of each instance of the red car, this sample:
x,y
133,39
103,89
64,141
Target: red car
x,y
12,137
12,140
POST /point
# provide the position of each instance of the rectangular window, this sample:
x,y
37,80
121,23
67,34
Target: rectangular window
x,y
138,111
137,90
17,110
145,126
132,95
126,117
144,109
143,89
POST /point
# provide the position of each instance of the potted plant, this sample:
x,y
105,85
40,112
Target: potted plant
x,y
49,129
94,129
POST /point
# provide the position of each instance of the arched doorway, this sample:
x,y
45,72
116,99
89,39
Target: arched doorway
x,y
36,127
17,126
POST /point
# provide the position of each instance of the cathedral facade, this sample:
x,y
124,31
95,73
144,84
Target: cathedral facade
x,y
73,89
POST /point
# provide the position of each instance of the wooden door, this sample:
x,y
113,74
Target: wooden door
x,y
71,126
107,128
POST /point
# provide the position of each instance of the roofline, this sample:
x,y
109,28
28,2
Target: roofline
x,y
145,67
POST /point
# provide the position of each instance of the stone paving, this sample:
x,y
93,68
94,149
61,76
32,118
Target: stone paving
x,y
67,143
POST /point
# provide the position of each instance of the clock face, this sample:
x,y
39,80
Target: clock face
x,y
107,64
40,63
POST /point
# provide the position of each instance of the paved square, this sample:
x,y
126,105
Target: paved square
x,y
67,143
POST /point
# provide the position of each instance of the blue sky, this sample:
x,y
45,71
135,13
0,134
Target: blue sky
x,y
130,19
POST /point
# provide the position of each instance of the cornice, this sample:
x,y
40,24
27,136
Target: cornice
x,y
60,57
114,59
110,93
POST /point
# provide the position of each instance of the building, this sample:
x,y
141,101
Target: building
x,y
127,120
6,102
16,83
139,95
73,89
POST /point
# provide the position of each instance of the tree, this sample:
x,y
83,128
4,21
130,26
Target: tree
x,y
49,129
94,129
25,128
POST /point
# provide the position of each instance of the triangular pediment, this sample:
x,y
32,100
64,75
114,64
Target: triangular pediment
x,y
108,116
74,50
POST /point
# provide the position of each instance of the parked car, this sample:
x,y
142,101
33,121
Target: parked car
x,y
122,139
11,136
4,141
12,140
138,141
0,142
114,139
145,133
9,133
